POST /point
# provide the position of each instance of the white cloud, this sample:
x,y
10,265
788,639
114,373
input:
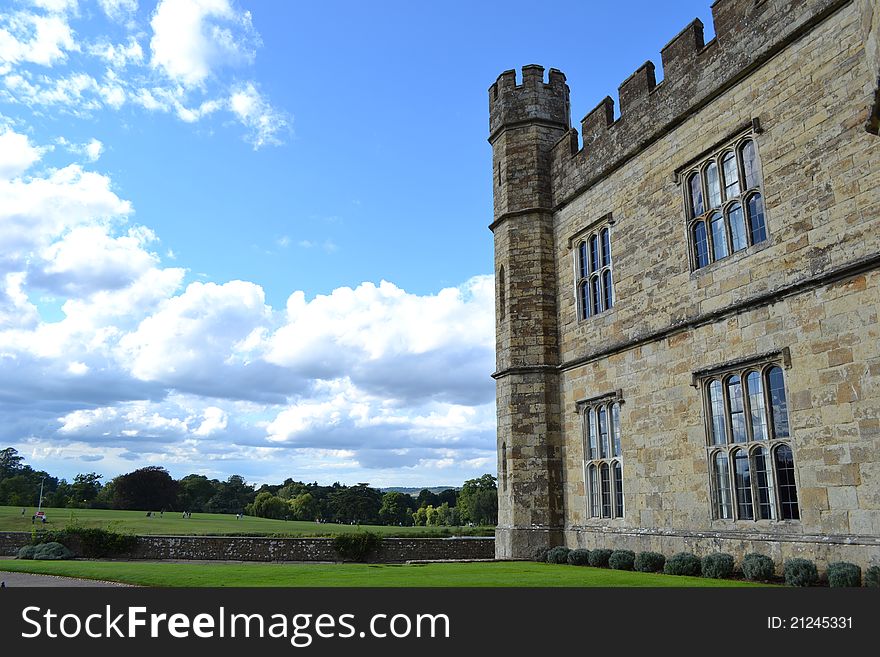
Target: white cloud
x,y
38,39
119,55
193,37
16,154
119,10
215,419
266,124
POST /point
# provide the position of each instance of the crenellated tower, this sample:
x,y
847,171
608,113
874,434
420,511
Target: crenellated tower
x,y
526,120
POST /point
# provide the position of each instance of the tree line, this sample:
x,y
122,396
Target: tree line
x,y
152,488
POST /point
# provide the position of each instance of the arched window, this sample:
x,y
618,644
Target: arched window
x,y
603,433
501,290
503,466
605,479
729,179
763,489
747,429
755,392
756,219
701,245
716,406
731,175
743,483
737,226
594,492
695,189
777,402
788,500
603,465
618,489
714,187
737,409
750,163
721,484
595,290
719,236
615,428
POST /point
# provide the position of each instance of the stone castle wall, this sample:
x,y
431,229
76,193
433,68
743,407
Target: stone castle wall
x,y
801,79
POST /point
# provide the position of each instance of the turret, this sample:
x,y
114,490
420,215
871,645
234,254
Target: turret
x,y
526,120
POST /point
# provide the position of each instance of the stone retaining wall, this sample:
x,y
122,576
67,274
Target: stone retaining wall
x,y
239,548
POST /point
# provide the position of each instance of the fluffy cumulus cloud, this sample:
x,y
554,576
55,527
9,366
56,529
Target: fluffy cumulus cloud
x,y
138,366
186,58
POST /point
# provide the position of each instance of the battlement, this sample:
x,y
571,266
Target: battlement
x,y
747,33
533,100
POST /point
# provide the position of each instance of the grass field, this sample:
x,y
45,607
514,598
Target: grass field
x,y
222,574
137,522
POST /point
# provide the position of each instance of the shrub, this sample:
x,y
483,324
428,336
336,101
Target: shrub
x,y
872,577
599,558
622,559
356,546
800,572
758,567
27,552
579,558
90,542
559,554
844,574
649,562
718,566
541,555
683,563
52,551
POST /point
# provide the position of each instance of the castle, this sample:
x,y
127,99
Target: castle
x,y
687,296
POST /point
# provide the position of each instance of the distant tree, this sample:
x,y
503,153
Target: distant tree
x,y
359,504
104,500
478,501
194,491
446,516
233,496
85,489
426,498
450,496
292,489
145,489
266,505
304,507
11,463
396,509
19,490
420,516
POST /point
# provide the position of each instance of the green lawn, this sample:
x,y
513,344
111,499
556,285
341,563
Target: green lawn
x,y
136,522
512,573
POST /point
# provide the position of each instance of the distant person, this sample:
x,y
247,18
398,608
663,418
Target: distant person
x,y
22,510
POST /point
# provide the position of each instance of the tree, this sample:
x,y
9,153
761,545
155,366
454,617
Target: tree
x,y
478,501
85,489
450,496
359,504
145,489
11,463
426,498
194,491
304,507
266,505
396,509
420,516
233,496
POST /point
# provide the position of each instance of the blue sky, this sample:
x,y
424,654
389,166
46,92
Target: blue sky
x,y
251,237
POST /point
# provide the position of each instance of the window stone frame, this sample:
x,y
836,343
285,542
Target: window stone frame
x,y
613,458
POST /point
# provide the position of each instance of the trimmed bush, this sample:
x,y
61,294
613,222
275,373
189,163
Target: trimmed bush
x,y
579,558
622,559
541,555
717,566
800,572
683,563
52,552
356,546
559,554
844,574
649,562
90,542
599,558
27,552
758,567
872,577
